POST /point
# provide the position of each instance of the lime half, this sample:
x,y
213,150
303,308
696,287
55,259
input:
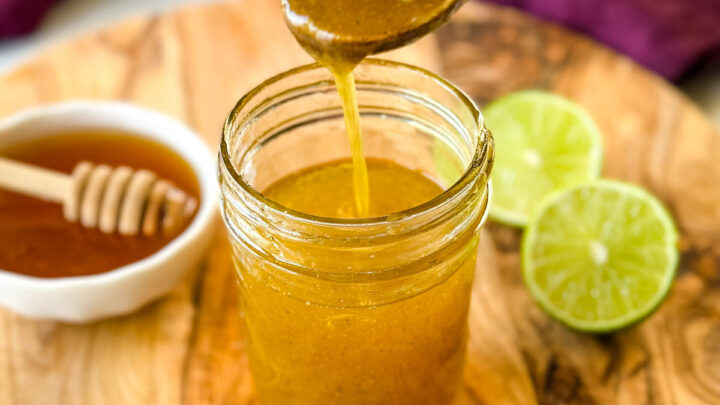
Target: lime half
x,y
600,256
543,142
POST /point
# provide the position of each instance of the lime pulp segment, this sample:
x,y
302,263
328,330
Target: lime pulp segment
x,y
544,142
600,256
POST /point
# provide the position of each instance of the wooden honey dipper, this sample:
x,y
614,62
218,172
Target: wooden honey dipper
x,y
119,199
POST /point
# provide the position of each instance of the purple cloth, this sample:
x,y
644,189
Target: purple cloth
x,y
667,36
19,17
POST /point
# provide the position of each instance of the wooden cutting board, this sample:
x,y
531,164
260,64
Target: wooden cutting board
x,y
187,348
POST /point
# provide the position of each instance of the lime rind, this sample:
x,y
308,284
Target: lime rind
x,y
526,117
633,315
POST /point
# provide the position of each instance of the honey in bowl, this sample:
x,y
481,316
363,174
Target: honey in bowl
x,y
36,239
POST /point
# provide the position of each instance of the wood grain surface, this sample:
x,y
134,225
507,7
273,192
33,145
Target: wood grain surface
x,y
187,348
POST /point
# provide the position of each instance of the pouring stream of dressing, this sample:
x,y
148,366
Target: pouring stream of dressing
x,y
339,34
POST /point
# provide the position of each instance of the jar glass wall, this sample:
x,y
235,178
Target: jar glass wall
x,y
355,311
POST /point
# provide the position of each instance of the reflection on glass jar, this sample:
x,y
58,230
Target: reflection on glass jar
x,y
356,311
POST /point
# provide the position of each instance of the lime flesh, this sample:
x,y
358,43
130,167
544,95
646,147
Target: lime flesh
x,y
600,256
544,142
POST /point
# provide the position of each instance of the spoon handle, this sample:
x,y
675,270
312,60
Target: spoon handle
x,y
34,181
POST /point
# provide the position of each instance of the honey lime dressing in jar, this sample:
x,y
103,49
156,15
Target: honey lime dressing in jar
x,y
354,219
342,308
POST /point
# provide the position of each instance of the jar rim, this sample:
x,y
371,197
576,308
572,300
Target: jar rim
x,y
481,156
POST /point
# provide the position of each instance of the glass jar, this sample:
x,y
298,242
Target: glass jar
x,y
355,311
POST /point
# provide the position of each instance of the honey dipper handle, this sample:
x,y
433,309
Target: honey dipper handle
x,y
34,181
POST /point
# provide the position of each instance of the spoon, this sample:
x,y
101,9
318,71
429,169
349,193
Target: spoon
x,y
350,30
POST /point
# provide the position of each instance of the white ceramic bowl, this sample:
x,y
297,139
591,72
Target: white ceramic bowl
x,y
127,288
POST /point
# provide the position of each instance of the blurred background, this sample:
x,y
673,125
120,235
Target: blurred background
x,y
678,39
